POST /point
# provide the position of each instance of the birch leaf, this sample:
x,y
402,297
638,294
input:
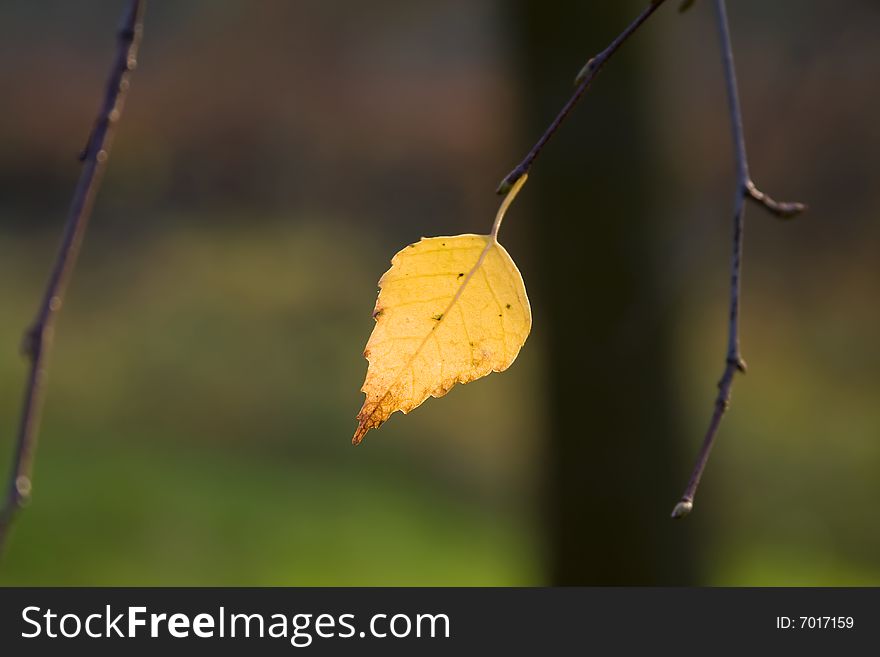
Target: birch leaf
x,y
450,310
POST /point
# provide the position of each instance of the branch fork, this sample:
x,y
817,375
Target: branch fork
x,y
746,190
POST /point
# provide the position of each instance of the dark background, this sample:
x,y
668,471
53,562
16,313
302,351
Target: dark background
x,y
271,159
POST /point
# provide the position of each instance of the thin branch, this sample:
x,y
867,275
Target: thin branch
x,y
782,209
38,338
582,82
745,189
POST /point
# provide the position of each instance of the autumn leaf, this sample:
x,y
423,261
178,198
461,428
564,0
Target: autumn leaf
x,y
450,310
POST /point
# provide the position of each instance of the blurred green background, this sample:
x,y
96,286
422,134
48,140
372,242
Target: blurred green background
x,y
271,159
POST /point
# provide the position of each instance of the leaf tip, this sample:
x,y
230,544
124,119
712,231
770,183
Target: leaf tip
x,y
359,434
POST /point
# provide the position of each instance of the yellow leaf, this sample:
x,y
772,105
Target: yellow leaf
x,y
450,310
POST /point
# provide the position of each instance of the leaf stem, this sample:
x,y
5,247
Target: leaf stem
x,y
583,81
38,338
505,204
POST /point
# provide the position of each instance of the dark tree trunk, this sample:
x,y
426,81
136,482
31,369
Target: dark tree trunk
x,y
615,465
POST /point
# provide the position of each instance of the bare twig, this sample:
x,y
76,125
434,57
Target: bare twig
x,y
38,338
782,209
582,82
745,189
